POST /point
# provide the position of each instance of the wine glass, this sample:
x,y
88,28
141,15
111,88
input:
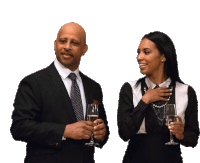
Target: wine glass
x,y
92,115
170,115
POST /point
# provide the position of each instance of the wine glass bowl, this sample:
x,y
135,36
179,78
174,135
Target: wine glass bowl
x,y
92,115
170,116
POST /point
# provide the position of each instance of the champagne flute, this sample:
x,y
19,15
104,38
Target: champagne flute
x,y
92,115
170,115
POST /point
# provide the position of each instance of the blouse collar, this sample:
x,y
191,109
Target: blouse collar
x,y
150,83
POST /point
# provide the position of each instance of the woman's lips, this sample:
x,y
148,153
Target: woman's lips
x,y
142,65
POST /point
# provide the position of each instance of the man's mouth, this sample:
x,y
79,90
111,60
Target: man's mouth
x,y
67,54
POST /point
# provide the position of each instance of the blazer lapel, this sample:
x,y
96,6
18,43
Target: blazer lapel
x,y
61,91
87,90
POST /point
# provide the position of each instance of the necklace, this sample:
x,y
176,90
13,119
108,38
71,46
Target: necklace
x,y
159,109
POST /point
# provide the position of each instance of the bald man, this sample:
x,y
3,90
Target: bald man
x,y
45,108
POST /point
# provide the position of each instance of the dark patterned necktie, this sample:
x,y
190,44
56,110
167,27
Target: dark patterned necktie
x,y
76,98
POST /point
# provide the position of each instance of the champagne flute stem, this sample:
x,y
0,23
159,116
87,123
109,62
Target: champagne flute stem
x,y
171,138
92,139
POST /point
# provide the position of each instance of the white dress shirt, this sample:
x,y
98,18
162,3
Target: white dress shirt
x,y
64,72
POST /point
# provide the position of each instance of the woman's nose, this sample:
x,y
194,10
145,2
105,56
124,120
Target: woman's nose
x,y
139,56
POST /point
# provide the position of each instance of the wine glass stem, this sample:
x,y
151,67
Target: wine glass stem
x,y
92,140
171,138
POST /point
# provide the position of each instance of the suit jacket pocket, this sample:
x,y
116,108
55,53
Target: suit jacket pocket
x,y
41,155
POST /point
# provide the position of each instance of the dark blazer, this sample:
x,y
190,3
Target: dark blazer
x,y
42,110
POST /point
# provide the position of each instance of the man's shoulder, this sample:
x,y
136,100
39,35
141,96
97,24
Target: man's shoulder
x,y
39,74
89,80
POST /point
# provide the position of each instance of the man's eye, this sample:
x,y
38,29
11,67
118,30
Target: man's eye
x,y
63,41
75,43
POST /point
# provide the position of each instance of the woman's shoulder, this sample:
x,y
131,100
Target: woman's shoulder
x,y
133,86
185,89
136,83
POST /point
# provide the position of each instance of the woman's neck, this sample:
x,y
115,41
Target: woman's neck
x,y
158,79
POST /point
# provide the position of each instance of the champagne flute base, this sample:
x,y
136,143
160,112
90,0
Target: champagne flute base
x,y
171,143
92,144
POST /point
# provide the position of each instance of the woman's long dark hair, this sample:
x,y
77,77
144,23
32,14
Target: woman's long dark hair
x,y
165,46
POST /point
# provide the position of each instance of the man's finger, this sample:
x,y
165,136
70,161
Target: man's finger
x,y
100,127
89,123
98,121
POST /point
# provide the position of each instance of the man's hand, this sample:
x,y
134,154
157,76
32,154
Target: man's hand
x,y
153,95
99,129
79,130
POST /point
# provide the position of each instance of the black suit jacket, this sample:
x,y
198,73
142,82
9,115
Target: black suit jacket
x,y
42,110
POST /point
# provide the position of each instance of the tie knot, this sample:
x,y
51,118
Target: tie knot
x,y
157,86
72,76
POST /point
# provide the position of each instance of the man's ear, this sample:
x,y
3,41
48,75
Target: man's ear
x,y
85,49
55,45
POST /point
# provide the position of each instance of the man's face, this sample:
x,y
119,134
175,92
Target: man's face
x,y
70,45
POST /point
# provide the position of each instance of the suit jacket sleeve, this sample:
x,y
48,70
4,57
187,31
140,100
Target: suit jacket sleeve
x,y
102,113
26,124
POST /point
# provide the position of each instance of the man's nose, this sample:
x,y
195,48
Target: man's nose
x,y
68,45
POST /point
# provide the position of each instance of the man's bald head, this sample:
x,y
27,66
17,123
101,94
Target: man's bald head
x,y
70,45
74,29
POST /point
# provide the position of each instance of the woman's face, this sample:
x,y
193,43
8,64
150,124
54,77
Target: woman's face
x,y
151,62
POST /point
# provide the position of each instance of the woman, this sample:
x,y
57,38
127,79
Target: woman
x,y
142,102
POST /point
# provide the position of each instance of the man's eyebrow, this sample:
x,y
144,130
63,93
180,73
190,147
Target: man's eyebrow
x,y
73,39
62,38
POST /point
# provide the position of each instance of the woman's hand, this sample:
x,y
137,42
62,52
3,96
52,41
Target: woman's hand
x,y
177,128
153,95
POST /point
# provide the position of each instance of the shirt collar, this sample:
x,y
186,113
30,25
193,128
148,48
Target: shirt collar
x,y
150,83
64,72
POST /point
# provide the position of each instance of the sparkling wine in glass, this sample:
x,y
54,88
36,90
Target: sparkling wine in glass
x,y
92,115
170,115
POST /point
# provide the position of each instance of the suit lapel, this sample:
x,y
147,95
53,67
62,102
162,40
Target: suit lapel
x,y
87,90
60,90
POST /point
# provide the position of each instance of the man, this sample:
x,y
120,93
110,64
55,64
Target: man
x,y
50,106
